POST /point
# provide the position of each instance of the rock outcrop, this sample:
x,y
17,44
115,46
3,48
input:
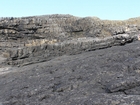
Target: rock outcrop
x,y
55,60
39,51
63,27
39,38
108,76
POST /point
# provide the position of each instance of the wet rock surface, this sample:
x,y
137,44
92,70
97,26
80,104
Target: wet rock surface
x,y
102,77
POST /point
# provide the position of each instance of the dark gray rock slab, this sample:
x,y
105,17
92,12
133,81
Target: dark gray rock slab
x,y
77,79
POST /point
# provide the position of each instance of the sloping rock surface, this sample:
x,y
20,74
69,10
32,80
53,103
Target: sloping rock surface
x,y
67,60
103,77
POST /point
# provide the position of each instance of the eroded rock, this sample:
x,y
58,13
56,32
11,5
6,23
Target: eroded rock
x,y
67,60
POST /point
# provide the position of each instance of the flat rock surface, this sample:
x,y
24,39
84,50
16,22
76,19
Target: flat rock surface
x,y
102,77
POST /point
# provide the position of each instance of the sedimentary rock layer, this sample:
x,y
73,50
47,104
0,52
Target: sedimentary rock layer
x,y
39,38
108,76
46,51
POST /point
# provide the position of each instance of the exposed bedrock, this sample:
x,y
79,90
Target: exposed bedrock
x,y
108,76
74,74
39,38
62,27
46,51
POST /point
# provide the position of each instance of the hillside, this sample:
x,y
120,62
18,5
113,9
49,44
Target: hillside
x,y
44,37
68,60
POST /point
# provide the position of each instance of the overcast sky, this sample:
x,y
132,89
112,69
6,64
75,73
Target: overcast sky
x,y
104,9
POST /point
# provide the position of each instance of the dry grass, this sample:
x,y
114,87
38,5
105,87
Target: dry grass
x,y
132,21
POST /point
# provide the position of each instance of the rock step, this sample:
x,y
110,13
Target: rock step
x,y
44,52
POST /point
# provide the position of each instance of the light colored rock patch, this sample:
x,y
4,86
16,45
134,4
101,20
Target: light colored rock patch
x,y
5,70
39,42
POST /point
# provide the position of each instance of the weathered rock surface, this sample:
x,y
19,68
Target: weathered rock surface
x,y
67,60
63,27
102,77
43,52
35,39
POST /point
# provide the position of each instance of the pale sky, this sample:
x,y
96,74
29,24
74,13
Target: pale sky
x,y
104,9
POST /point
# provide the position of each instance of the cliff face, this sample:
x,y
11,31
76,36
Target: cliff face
x,y
56,35
63,26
